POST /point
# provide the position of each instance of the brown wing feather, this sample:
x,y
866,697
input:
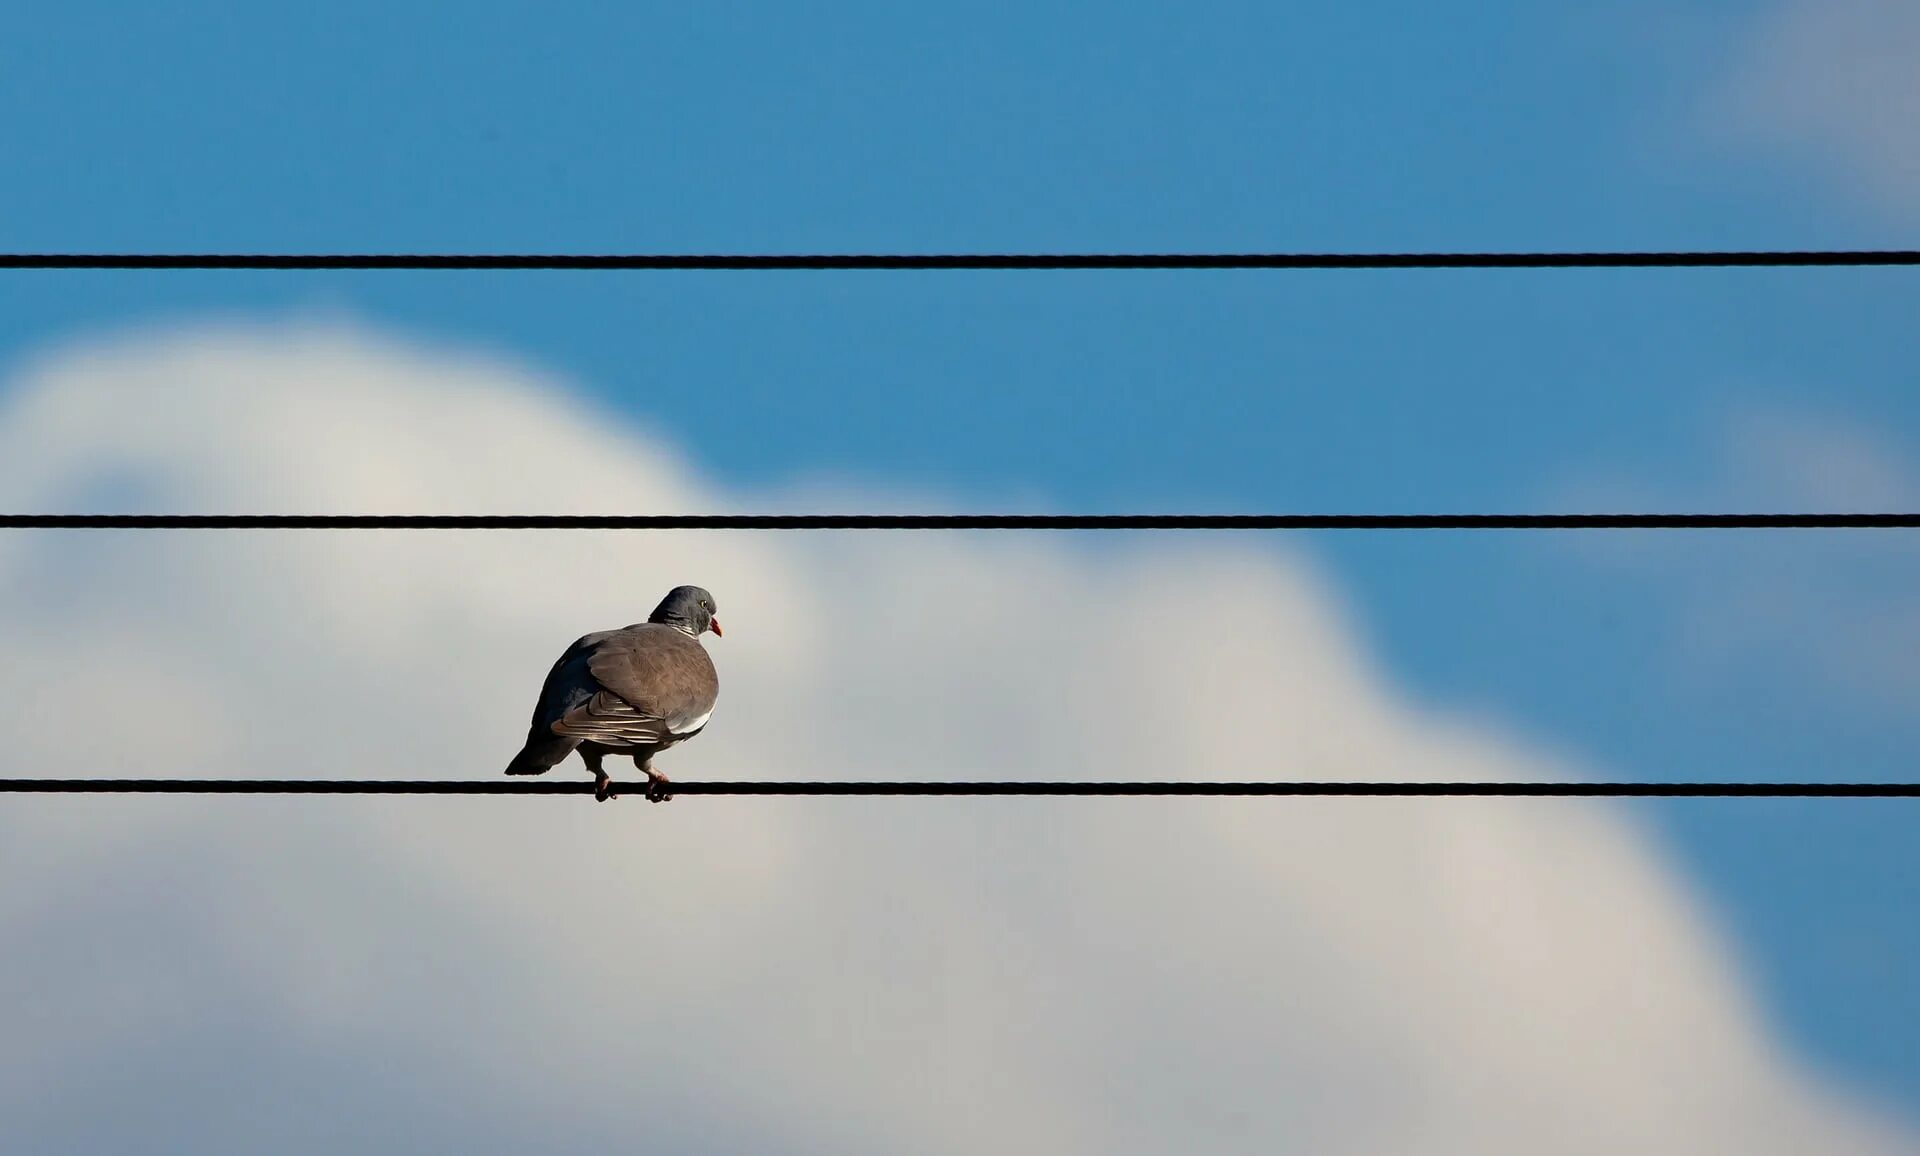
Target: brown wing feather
x,y
607,718
661,674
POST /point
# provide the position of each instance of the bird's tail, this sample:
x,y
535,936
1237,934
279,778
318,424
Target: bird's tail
x,y
540,753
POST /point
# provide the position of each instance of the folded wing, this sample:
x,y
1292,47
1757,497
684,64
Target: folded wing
x,y
641,686
609,719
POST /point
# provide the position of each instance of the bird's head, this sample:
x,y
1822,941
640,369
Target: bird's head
x,y
688,608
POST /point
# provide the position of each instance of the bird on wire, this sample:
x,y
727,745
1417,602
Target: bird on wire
x,y
634,691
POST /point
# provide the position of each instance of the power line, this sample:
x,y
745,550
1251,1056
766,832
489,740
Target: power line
x,y
1638,259
505,786
1755,521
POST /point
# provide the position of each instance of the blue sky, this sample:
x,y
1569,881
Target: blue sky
x,y
1384,125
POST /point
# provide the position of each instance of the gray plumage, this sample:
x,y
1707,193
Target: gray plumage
x,y
634,691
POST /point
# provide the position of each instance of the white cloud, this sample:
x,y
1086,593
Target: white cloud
x,y
735,974
1834,82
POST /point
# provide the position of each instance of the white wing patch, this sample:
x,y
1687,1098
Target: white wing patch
x,y
693,724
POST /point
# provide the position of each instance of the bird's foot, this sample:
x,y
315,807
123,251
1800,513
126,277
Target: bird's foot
x,y
657,787
603,787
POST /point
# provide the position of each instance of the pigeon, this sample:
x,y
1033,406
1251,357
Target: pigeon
x,y
634,691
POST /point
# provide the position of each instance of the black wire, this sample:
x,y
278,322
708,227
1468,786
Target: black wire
x,y
505,786
958,521
1668,259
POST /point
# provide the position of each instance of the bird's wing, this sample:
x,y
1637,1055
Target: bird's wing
x,y
661,674
568,684
607,718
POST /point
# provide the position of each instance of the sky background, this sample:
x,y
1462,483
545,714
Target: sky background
x,y
1143,127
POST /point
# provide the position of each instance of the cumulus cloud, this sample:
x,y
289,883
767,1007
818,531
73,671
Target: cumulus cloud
x,y
844,976
1834,82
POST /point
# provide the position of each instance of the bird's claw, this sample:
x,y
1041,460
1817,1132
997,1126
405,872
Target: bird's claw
x,y
603,789
657,788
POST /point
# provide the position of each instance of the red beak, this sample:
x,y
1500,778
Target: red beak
x,y
713,624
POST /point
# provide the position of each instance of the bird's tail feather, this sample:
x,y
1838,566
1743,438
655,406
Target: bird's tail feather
x,y
539,755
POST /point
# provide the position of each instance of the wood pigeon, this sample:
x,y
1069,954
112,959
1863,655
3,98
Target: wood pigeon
x,y
634,691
